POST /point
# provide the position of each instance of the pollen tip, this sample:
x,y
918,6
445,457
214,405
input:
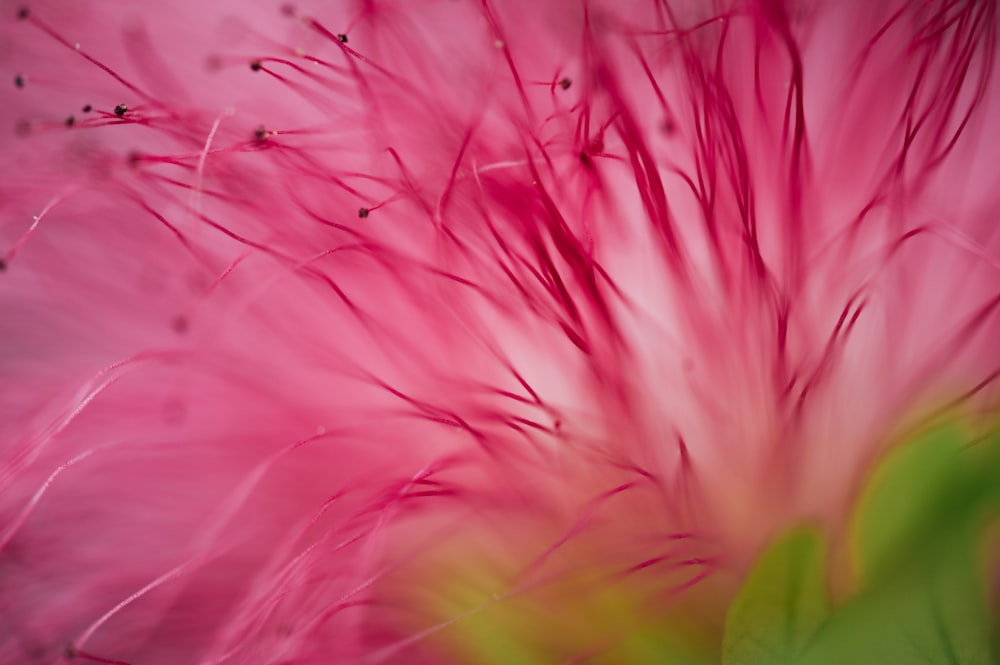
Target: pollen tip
x,y
3,266
256,65
260,133
19,81
23,13
565,83
363,212
70,120
213,63
87,108
120,110
342,38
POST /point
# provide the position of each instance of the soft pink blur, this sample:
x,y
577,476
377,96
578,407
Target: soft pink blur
x,y
688,297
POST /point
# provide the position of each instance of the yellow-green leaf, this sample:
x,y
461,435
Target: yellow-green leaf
x,y
780,606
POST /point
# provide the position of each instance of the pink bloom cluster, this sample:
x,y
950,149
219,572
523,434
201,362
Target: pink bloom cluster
x,y
320,321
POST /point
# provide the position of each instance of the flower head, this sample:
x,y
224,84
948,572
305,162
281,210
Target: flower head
x,y
498,332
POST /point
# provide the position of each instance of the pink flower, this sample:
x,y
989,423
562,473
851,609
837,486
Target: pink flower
x,y
471,332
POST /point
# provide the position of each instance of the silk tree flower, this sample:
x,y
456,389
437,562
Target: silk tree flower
x,y
499,331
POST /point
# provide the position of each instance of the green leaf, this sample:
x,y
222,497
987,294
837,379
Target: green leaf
x,y
918,537
782,603
938,618
917,499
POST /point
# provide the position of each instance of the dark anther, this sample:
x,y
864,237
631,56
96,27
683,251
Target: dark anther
x,y
69,651
18,81
363,212
22,128
70,121
3,265
342,38
120,110
565,83
288,9
22,13
88,108
260,133
180,324
255,65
